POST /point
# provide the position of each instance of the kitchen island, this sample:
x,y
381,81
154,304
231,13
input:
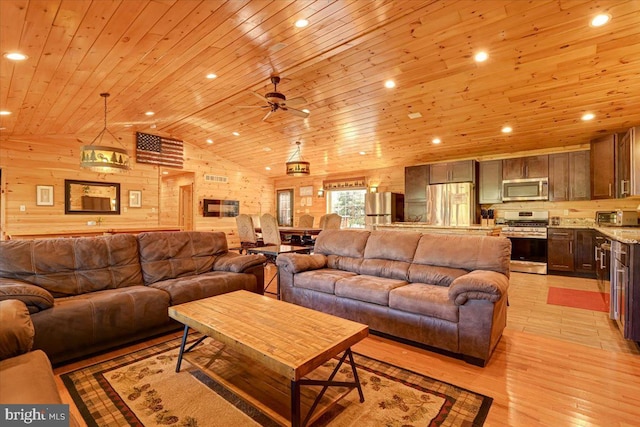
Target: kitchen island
x,y
424,227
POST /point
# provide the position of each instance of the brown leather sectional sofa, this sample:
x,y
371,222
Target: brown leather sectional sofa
x,y
445,291
91,294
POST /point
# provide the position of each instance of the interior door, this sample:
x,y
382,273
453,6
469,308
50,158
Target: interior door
x,y
285,207
185,216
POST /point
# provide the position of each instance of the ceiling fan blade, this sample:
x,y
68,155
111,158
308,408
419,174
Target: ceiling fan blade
x,y
257,95
296,112
296,101
251,106
267,115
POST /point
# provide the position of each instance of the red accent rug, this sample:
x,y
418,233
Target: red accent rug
x,y
588,300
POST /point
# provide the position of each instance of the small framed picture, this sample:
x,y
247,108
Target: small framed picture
x,y
135,198
44,195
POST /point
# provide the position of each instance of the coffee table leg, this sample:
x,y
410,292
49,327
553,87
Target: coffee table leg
x,y
295,404
184,342
355,374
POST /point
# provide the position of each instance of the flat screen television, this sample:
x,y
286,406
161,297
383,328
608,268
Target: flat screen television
x,y
220,208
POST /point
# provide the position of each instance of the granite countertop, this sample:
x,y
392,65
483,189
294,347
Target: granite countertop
x,y
630,235
426,225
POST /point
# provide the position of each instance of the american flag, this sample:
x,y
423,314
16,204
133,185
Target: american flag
x,y
159,150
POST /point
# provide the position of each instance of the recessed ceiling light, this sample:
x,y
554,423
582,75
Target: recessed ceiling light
x,y
600,20
128,125
481,56
211,76
414,115
236,134
389,84
149,113
4,113
165,173
362,153
15,56
436,140
306,110
267,149
209,141
268,168
301,23
588,116
506,129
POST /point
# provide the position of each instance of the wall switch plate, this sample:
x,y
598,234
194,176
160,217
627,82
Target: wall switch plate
x,y
91,223
566,212
23,208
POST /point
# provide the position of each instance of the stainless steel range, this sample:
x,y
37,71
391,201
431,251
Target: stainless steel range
x,y
527,231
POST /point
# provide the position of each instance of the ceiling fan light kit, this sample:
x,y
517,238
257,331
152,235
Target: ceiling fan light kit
x,y
297,167
104,158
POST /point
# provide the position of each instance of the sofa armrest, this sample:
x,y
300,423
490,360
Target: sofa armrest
x,y
16,329
479,285
35,297
237,263
295,263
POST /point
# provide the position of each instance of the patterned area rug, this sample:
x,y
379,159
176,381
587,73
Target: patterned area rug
x,y
142,389
576,298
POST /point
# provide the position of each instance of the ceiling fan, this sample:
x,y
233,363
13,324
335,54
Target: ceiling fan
x,y
277,101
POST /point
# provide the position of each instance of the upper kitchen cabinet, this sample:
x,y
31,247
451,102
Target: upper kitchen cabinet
x,y
444,173
569,176
490,182
416,179
602,167
627,169
525,167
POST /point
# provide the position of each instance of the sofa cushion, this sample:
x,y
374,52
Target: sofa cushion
x,y
16,329
323,280
83,321
169,255
466,252
427,300
434,275
190,288
346,243
392,245
28,379
73,266
385,268
367,288
35,297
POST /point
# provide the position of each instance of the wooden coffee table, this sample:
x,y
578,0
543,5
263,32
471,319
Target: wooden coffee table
x,y
253,332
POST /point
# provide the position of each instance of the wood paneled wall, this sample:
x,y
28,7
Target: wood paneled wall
x,y
49,161
387,179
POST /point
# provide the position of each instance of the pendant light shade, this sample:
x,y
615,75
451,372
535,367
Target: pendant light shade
x,y
298,167
104,158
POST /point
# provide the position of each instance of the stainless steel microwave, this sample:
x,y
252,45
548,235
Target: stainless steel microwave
x,y
525,189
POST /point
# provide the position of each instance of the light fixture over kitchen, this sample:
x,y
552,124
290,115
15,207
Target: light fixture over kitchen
x,y
104,158
297,167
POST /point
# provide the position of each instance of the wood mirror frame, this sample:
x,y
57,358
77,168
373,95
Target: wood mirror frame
x,y
91,197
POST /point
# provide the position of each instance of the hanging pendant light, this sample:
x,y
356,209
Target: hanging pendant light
x,y
104,158
298,167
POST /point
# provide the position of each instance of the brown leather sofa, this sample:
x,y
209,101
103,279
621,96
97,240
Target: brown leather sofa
x,y
442,290
91,294
26,377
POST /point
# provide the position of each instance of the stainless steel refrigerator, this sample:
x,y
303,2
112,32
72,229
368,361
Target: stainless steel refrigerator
x,y
383,208
451,204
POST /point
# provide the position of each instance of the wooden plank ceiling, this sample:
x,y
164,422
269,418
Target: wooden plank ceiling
x,y
547,66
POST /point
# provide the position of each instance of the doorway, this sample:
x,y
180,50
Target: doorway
x,y
185,216
285,207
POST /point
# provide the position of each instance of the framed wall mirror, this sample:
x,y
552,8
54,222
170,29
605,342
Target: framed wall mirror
x,y
91,197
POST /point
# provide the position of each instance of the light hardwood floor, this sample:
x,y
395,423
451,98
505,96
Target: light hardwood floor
x,y
554,366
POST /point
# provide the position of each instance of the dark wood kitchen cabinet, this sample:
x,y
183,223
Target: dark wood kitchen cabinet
x,y
490,182
602,167
622,168
560,254
416,179
569,176
571,251
585,254
526,167
445,173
